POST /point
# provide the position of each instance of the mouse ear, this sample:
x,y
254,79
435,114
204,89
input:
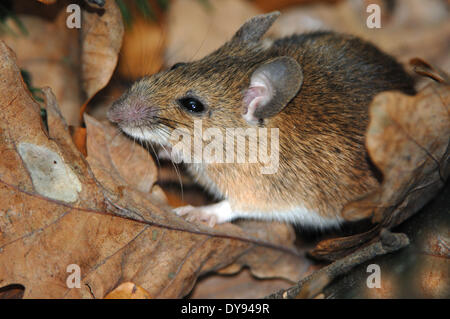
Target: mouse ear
x,y
272,86
254,29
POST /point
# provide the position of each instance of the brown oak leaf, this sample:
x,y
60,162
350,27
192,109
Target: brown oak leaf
x,y
101,39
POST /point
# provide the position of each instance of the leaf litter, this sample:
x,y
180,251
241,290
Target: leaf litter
x,y
61,207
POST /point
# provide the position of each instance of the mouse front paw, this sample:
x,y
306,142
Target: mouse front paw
x,y
195,214
210,214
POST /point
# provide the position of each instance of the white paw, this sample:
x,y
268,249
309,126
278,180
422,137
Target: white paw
x,y
211,214
197,214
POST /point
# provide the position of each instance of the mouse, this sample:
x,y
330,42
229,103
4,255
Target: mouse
x,y
311,90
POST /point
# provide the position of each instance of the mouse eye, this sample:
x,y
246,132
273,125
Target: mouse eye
x,y
192,105
176,65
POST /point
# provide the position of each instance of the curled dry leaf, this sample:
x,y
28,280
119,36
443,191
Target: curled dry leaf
x,y
408,140
424,68
90,52
51,61
55,213
101,39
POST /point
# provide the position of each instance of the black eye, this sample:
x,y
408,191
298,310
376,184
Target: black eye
x,y
176,65
191,104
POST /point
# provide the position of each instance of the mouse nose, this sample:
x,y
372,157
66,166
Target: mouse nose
x,y
130,111
113,114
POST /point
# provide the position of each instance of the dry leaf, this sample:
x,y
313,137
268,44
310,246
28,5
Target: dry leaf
x,y
408,140
271,264
422,67
33,251
51,60
128,290
58,60
114,154
242,285
101,39
79,138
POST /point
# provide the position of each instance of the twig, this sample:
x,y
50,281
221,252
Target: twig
x,y
312,285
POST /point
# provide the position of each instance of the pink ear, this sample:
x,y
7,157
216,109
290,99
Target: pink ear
x,y
272,86
256,96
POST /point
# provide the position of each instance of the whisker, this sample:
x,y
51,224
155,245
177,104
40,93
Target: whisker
x,y
176,170
167,124
117,134
154,151
133,149
170,120
156,154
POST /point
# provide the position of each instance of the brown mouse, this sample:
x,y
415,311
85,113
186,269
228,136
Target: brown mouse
x,y
313,89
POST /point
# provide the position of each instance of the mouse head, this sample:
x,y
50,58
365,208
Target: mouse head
x,y
240,84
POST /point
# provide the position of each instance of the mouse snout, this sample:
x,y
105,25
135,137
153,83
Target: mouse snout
x,y
131,112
